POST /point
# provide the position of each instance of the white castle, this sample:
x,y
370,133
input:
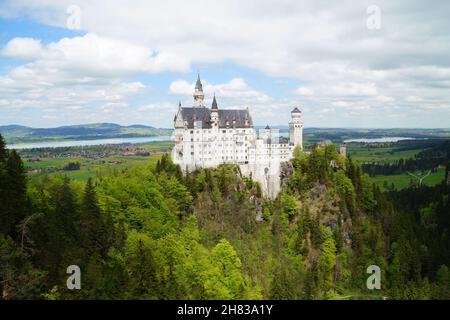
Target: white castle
x,y
207,137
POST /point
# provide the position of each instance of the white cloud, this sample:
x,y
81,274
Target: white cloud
x,y
304,91
352,89
340,104
339,89
236,91
94,56
181,87
74,73
385,99
325,45
23,48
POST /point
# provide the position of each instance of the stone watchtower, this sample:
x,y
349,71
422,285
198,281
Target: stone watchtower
x,y
296,129
343,149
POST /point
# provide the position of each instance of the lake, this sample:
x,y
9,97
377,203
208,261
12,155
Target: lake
x,y
375,140
79,143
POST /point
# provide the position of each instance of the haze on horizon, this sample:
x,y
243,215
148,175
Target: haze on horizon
x,y
75,62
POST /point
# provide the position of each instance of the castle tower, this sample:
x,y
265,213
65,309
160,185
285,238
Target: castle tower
x,y
296,129
267,134
199,96
215,113
343,149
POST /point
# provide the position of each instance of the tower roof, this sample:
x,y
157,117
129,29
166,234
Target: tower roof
x,y
214,103
296,110
198,84
267,127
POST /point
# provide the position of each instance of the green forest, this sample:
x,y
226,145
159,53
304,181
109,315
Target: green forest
x,y
152,232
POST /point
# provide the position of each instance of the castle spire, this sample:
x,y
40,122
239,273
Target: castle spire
x,y
199,96
214,103
198,84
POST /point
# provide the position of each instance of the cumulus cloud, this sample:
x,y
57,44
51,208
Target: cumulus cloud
x,y
304,91
91,55
236,92
73,74
23,48
324,48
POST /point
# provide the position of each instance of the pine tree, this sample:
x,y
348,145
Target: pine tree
x,y
141,267
58,232
95,227
4,227
66,209
14,194
3,151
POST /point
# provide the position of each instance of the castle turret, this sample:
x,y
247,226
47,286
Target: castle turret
x,y
343,149
267,134
199,96
214,113
296,128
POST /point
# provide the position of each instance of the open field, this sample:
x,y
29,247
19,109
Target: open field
x,y
88,167
39,162
362,152
403,180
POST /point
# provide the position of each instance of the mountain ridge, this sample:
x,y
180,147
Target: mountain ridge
x,y
17,133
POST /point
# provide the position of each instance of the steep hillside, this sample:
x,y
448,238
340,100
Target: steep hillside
x,y
153,233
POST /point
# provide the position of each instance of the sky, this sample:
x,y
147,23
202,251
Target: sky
x,y
358,64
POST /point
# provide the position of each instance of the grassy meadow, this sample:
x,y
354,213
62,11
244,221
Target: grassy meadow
x,y
90,167
403,180
363,152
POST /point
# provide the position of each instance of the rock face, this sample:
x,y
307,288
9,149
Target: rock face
x,y
286,171
267,174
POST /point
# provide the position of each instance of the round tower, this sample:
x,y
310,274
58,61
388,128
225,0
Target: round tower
x,y
296,128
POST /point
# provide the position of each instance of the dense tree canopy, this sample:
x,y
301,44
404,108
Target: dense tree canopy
x,y
153,233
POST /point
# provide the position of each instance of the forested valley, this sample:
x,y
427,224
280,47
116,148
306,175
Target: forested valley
x,y
151,232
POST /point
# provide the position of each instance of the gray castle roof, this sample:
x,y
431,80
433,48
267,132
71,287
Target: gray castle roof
x,y
227,118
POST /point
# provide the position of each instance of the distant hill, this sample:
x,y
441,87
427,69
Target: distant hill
x,y
19,134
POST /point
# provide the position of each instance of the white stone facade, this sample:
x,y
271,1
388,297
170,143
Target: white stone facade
x,y
207,137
